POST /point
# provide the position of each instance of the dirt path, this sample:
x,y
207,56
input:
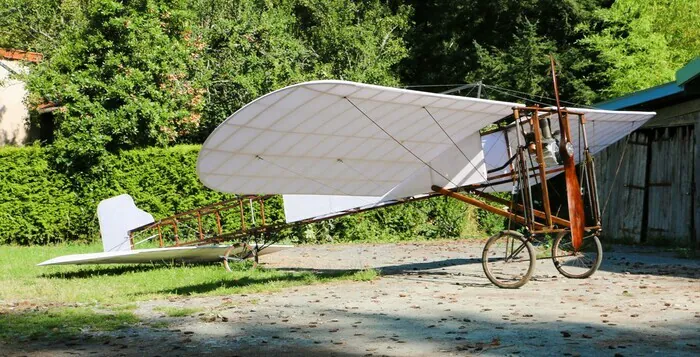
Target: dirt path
x,y
432,299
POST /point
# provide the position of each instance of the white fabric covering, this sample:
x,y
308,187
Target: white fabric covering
x,y
309,139
334,145
117,215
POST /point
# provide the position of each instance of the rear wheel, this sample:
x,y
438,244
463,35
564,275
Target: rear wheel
x,y
508,260
236,252
577,263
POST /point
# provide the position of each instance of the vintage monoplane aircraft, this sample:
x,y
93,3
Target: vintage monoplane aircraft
x,y
333,148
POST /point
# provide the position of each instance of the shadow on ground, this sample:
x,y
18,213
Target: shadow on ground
x,y
650,264
95,271
423,267
381,333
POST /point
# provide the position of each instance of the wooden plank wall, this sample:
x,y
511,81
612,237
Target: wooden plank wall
x,y
670,187
654,197
621,172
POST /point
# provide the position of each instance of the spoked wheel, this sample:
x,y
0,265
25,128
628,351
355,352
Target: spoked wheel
x,y
240,252
508,260
577,264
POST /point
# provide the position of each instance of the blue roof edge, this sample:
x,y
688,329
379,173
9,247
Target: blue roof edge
x,y
689,72
640,97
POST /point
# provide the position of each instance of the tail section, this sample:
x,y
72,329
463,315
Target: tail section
x,y
117,215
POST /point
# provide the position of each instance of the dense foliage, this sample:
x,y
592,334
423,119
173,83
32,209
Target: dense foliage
x,y
146,74
40,205
504,43
35,206
641,43
131,74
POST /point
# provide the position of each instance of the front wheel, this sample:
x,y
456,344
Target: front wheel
x,y
577,263
508,260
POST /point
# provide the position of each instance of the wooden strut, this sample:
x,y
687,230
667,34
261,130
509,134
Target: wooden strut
x,y
533,169
535,122
485,206
520,208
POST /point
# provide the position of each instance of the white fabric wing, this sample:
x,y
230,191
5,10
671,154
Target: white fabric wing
x,y
328,146
348,139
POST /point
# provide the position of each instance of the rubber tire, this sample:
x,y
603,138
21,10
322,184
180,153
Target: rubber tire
x,y
594,268
530,270
228,252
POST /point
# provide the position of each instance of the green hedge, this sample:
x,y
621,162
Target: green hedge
x,y
36,205
39,205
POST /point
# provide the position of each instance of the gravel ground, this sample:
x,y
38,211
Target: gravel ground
x,y
432,299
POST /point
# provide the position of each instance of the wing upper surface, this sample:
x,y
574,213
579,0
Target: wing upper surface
x,y
344,138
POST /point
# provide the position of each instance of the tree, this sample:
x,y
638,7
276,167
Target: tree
x,y
38,25
133,76
503,42
159,72
255,47
641,43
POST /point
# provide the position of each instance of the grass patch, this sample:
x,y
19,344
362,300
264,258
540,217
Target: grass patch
x,y
59,323
107,295
119,287
124,307
365,275
177,311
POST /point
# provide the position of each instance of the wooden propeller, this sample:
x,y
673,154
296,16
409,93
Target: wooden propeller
x,y
573,192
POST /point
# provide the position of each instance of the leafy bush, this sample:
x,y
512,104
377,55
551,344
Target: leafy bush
x,y
36,204
39,205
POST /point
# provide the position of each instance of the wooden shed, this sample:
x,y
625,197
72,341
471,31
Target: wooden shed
x,y
649,182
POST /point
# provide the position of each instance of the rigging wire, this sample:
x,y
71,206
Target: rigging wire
x,y
470,91
517,96
458,148
504,90
376,185
507,91
398,141
436,85
412,153
470,162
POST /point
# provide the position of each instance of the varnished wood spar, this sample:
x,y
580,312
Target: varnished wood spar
x,y
519,207
542,168
573,192
484,206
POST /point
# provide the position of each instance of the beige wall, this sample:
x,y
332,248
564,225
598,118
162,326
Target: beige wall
x,y
13,112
